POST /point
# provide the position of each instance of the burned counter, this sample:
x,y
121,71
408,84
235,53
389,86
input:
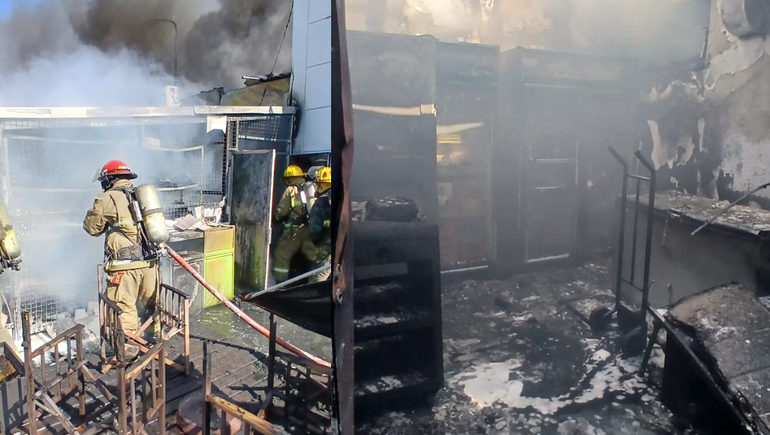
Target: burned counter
x,y
734,248
716,359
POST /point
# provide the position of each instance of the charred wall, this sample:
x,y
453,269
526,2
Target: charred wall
x,y
708,122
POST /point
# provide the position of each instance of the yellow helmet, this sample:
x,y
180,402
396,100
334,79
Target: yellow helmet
x,y
293,171
324,175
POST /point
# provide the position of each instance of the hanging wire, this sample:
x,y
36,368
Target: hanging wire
x,y
280,48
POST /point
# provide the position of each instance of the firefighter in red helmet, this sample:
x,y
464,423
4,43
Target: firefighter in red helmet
x,y
132,279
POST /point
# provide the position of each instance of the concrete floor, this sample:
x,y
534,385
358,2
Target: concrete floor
x,y
518,362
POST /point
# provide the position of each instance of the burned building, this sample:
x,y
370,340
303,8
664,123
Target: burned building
x,y
523,177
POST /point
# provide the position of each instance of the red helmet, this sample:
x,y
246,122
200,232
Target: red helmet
x,y
114,167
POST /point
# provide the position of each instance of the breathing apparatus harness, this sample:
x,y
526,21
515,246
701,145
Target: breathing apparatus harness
x,y
145,249
294,220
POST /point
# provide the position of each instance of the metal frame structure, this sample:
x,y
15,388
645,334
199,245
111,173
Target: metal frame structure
x,y
306,382
151,367
634,324
40,392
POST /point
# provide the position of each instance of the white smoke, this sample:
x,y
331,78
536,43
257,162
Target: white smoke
x,y
660,30
657,30
49,165
88,77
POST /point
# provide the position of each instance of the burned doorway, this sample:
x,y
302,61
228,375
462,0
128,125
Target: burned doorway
x,y
554,183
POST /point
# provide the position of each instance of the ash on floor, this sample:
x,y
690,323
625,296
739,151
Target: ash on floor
x,y
517,361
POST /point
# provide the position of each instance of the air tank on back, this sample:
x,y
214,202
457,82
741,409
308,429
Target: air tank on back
x,y
309,187
9,248
152,212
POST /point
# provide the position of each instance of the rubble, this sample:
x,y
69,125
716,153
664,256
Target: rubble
x,y
533,366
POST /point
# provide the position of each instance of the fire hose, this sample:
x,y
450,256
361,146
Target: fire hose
x,y
243,316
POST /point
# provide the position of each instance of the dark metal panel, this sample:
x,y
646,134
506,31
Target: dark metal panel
x,y
467,63
393,90
252,192
565,69
342,261
465,116
549,158
556,109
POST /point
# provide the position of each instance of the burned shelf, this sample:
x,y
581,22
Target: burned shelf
x,y
398,335
696,209
379,311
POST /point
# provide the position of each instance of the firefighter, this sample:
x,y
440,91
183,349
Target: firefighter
x,y
132,279
320,224
292,212
9,259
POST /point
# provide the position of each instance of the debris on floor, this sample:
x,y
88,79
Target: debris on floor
x,y
517,361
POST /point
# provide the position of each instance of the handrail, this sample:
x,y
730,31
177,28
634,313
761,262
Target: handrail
x,y
146,359
181,293
68,334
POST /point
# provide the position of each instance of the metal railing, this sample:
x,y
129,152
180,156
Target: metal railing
x,y
152,388
301,390
70,375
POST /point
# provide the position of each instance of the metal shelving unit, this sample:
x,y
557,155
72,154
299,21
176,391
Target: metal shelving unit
x,y
397,312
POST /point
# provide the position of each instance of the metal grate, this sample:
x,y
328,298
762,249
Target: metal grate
x,y
266,129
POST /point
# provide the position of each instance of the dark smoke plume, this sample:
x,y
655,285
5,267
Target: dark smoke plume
x,y
218,41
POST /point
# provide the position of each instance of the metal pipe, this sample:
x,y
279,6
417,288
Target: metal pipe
x,y
622,227
648,248
243,316
283,284
726,209
636,231
465,269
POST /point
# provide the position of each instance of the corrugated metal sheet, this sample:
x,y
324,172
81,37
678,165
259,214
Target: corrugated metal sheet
x,y
271,93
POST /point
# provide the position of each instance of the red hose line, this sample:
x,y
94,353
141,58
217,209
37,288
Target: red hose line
x,y
253,323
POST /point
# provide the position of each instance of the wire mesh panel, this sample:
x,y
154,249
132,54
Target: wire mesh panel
x,y
261,132
47,168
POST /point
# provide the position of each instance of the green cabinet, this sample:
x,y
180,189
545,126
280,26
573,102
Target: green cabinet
x,y
217,245
219,272
219,262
